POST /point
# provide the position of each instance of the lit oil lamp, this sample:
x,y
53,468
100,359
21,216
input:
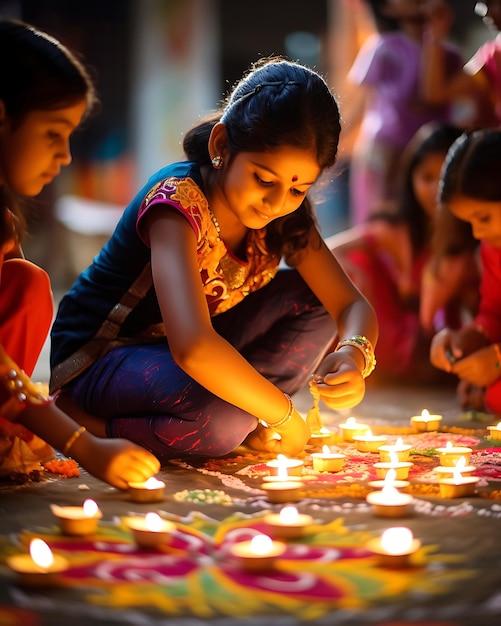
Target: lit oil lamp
x,y
40,568
449,455
282,475
288,524
401,467
426,422
258,554
458,486
368,442
151,490
395,547
351,428
389,502
495,431
322,437
293,467
327,461
78,520
389,479
282,491
150,531
399,448
448,472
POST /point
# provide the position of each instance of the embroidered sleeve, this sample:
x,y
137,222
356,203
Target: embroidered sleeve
x,y
184,195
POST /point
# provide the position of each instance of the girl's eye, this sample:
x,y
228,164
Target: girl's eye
x,y
483,219
53,135
266,183
298,193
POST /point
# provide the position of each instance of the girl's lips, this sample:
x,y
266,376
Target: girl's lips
x,y
262,215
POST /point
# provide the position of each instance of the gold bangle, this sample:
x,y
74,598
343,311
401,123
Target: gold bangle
x,y
365,346
497,350
72,439
287,417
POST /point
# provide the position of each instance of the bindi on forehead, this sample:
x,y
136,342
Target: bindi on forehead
x,y
294,178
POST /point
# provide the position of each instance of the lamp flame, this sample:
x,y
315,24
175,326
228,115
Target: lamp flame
x,y
152,483
41,553
90,508
397,540
260,545
153,522
391,476
289,515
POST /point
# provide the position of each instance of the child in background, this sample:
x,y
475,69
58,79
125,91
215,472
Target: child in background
x,y
386,257
479,82
470,190
44,94
184,335
388,70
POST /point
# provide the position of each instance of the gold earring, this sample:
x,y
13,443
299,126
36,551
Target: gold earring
x,y
217,162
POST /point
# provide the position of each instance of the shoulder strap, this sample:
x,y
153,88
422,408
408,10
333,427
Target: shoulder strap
x,y
106,337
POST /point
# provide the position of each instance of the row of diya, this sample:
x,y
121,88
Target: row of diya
x,y
395,546
40,567
455,479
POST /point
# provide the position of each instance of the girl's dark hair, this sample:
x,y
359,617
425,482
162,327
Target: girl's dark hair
x,y
37,73
277,103
431,138
383,22
472,167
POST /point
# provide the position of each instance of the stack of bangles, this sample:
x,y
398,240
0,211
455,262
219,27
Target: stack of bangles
x,y
365,346
286,418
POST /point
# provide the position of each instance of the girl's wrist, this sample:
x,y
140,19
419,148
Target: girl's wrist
x,y
283,421
361,344
78,444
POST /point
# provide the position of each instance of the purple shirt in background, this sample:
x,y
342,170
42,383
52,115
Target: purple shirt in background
x,y
390,65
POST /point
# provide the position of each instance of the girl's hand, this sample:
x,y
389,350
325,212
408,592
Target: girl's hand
x,y
450,346
481,368
471,397
339,381
290,440
116,461
441,349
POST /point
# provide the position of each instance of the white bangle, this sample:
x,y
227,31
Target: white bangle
x,y
365,346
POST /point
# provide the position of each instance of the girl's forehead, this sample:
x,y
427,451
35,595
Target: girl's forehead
x,y
289,163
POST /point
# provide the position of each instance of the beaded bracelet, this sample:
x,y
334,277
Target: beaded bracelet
x,y
287,417
72,439
365,346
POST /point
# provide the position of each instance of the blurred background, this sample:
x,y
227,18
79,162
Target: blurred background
x,y
158,66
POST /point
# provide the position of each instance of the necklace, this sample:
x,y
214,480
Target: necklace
x,y
216,224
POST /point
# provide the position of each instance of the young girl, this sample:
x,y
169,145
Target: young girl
x,y
470,190
44,93
183,335
386,258
479,82
388,71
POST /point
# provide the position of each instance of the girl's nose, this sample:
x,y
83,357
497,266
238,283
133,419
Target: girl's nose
x,y
274,201
64,154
